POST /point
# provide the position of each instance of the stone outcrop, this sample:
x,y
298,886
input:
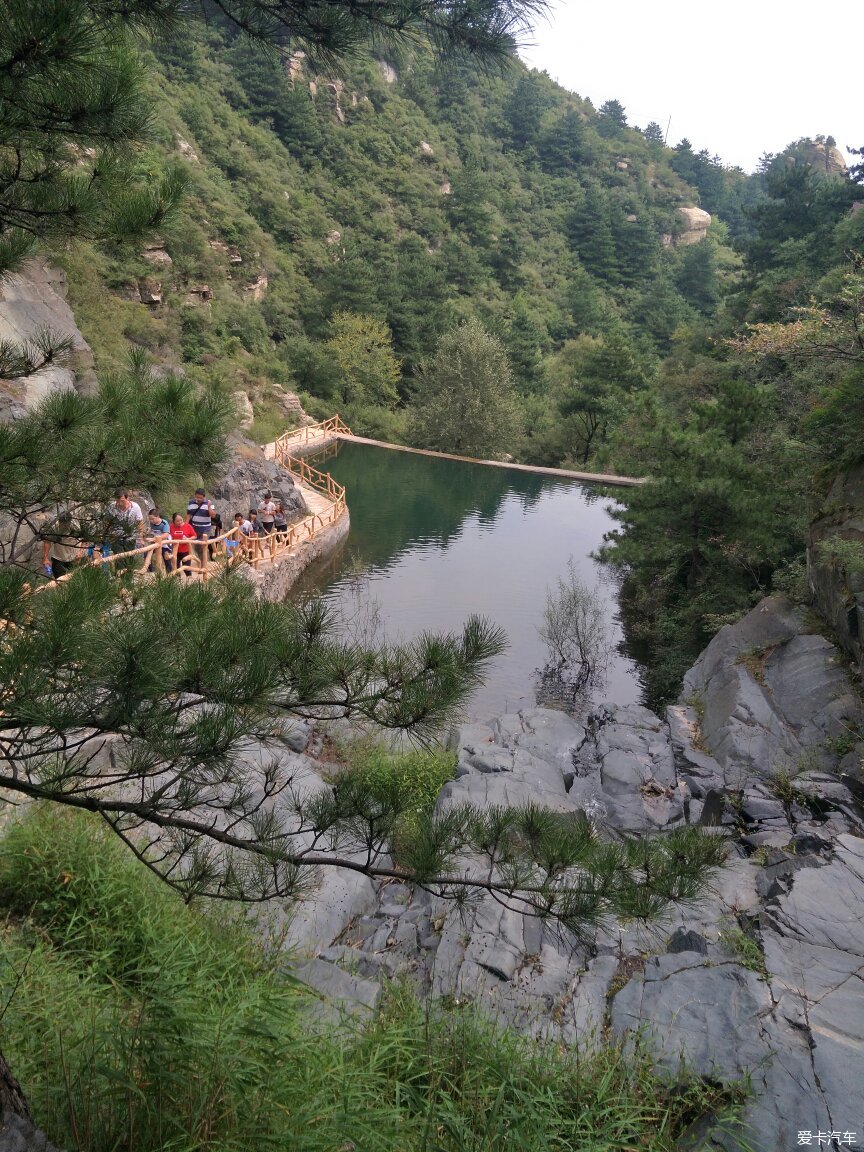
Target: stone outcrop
x,y
824,157
238,487
772,695
155,253
245,411
256,289
696,222
388,72
762,979
34,300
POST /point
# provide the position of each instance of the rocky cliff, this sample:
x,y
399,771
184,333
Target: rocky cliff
x,y
762,980
32,301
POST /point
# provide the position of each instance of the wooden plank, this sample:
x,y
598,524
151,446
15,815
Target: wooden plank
x,y
562,473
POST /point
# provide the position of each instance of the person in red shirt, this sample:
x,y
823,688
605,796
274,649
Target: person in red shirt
x,y
180,530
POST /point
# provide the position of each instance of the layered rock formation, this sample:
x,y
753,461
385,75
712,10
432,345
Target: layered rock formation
x,y
763,979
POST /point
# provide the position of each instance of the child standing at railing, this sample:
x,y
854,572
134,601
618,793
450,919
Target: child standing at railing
x,y
160,530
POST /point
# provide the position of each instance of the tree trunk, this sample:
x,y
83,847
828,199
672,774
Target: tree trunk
x,y
12,1099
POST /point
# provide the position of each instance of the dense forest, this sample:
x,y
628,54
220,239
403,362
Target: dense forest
x,y
645,308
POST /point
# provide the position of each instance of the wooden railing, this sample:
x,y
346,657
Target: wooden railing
x,y
276,545
334,426
322,482
207,557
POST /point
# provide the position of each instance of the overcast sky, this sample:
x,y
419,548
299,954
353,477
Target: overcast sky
x,y
740,79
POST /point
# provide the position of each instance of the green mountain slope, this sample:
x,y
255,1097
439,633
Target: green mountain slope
x,y
416,196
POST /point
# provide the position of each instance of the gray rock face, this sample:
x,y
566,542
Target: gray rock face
x,y
772,695
761,979
707,1017
32,300
248,475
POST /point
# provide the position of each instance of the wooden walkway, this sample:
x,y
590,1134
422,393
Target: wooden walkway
x,y
563,473
333,429
324,498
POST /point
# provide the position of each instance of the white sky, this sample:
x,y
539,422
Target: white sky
x,y
740,79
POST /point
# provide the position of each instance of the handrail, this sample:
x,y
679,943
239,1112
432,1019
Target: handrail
x,y
233,545
254,550
333,426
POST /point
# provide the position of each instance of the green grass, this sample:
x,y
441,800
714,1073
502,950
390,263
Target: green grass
x,y
410,778
745,949
137,1023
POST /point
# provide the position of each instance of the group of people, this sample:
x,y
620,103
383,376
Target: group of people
x,y
126,530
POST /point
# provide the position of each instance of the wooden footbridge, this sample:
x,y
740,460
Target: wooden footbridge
x,y
325,500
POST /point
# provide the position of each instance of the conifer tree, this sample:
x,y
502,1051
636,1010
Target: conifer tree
x,y
565,143
589,230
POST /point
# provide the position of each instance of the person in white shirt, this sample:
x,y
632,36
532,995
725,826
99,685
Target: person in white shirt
x,y
266,514
125,523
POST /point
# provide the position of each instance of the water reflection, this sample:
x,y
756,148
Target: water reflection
x,y
433,541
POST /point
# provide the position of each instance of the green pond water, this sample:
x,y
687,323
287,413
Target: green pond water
x,y
433,541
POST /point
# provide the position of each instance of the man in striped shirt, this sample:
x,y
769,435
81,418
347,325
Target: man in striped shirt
x,y
199,511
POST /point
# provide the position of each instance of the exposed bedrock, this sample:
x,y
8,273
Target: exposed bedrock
x,y
763,978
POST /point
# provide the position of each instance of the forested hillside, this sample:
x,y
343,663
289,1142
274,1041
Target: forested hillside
x,y
337,228
332,220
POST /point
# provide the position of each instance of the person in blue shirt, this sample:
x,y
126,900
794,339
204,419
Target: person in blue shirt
x,y
159,528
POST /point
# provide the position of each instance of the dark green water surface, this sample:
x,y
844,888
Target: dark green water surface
x,y
433,541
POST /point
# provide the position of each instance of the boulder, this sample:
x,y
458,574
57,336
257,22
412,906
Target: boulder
x,y
772,694
248,474
155,253
695,225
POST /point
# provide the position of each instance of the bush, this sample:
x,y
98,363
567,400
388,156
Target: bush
x,y
417,775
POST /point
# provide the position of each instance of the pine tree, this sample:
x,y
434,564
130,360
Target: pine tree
x,y
612,118
589,230
565,144
529,101
72,110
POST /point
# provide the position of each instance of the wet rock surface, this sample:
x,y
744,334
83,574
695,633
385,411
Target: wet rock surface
x,y
763,979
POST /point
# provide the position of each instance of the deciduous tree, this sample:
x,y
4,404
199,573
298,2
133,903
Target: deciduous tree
x,y
466,398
